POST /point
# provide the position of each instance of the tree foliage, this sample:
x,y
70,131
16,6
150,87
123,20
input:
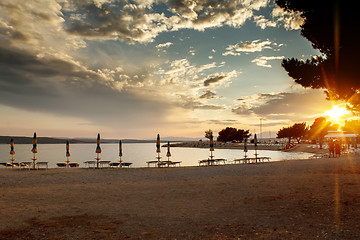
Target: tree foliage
x,y
208,133
320,128
296,131
352,126
331,28
232,134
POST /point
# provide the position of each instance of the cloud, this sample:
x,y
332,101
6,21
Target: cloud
x,y
213,80
283,106
263,23
249,47
208,95
191,103
263,60
164,45
290,20
138,22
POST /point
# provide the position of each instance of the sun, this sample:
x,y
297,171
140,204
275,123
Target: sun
x,y
336,113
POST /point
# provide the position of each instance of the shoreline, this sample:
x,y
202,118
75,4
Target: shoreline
x,y
309,148
303,199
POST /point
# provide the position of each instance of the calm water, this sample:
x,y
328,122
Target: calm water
x,y
137,153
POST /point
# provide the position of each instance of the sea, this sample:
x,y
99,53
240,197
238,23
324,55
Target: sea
x,y
136,153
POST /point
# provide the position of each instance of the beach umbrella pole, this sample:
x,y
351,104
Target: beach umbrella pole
x,y
34,159
97,160
12,161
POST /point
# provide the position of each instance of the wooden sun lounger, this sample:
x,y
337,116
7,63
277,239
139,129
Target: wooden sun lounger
x,y
38,164
211,162
126,164
26,164
252,160
162,163
74,165
155,162
104,162
90,162
117,164
62,165
6,164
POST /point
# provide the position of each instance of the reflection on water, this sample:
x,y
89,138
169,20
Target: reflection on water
x,y
137,153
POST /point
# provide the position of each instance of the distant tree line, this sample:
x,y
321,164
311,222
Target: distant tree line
x,y
316,131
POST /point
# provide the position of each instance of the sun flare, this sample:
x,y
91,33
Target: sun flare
x,y
336,113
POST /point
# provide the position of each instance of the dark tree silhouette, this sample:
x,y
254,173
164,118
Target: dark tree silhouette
x,y
352,126
296,131
320,128
332,28
230,134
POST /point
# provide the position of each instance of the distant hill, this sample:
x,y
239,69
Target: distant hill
x,y
28,140
49,140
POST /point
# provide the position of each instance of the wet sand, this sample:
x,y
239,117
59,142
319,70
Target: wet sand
x,y
302,199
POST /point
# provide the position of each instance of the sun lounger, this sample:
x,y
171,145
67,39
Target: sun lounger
x,y
89,163
114,164
6,164
74,165
155,162
45,164
162,163
126,164
104,162
61,165
26,164
252,160
212,162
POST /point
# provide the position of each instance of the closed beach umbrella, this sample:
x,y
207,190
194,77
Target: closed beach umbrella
x,y
245,146
255,142
34,149
12,149
211,143
67,153
67,149
211,146
158,150
255,147
120,152
34,141
120,149
98,149
168,154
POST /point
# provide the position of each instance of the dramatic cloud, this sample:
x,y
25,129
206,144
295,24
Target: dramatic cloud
x,y
250,47
290,20
263,60
137,22
283,106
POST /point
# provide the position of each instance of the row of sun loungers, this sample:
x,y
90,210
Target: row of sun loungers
x,y
163,163
210,162
105,163
27,165
252,160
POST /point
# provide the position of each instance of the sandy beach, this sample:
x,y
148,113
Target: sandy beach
x,y
302,199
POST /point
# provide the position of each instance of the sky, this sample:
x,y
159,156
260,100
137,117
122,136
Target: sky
x,y
136,68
